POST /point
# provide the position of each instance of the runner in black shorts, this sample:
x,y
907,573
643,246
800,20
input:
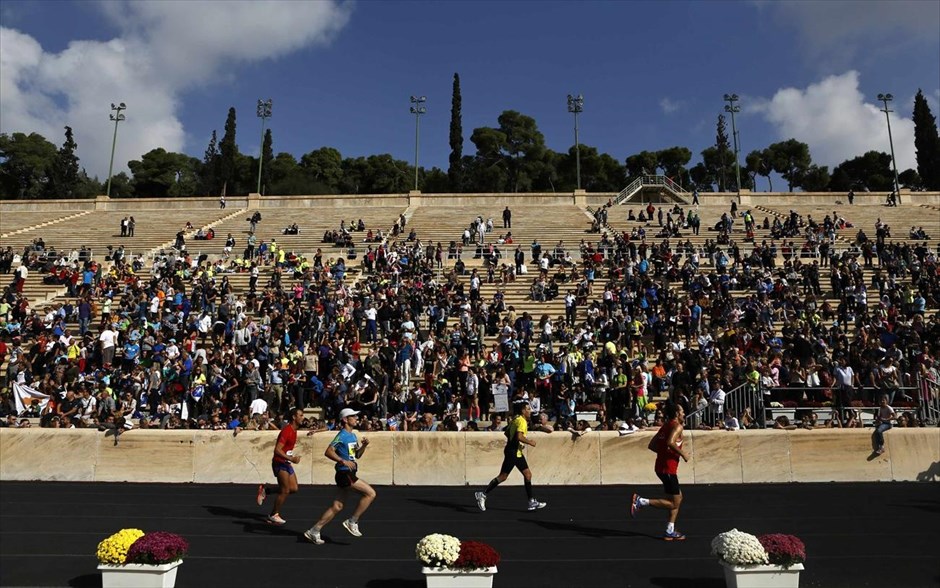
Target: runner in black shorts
x,y
345,449
667,443
513,457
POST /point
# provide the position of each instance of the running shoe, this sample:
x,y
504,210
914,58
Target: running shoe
x,y
481,500
535,504
313,537
635,505
276,519
352,527
674,536
262,494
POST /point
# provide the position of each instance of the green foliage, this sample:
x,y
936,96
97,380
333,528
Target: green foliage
x,y
267,156
926,143
760,163
25,164
228,153
641,164
871,170
210,175
455,170
65,172
909,178
325,167
815,179
159,173
790,159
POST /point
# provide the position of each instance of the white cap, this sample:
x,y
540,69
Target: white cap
x,y
347,412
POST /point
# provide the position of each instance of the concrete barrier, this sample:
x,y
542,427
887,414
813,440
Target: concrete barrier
x,y
457,459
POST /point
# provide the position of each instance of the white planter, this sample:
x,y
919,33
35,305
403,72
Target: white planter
x,y
761,576
453,578
139,575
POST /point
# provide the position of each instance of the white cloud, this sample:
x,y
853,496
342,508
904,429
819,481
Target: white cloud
x,y
832,32
164,48
669,105
835,120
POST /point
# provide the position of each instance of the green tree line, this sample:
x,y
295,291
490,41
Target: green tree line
x,y
510,156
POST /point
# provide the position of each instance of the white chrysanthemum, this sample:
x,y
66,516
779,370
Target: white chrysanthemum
x,y
740,549
438,550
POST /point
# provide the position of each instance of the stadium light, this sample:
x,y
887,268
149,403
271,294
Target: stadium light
x,y
117,117
732,108
418,108
897,188
576,107
264,113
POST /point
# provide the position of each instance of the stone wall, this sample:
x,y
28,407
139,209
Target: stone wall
x,y
457,459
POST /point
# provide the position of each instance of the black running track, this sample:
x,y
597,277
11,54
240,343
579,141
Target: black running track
x,y
856,534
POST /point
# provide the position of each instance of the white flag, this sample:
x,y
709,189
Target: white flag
x,y
24,396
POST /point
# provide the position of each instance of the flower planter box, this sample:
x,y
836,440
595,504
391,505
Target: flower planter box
x,y
454,578
769,576
139,575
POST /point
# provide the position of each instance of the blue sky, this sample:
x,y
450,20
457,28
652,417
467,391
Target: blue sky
x,y
340,74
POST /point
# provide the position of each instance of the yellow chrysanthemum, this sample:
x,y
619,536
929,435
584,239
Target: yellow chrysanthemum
x,y
113,550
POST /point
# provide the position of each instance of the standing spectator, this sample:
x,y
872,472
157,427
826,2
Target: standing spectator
x,y
108,339
222,202
507,218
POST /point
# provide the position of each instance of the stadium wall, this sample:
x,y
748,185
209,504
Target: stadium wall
x,y
457,459
593,199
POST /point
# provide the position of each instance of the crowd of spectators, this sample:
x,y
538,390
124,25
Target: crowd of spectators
x,y
645,317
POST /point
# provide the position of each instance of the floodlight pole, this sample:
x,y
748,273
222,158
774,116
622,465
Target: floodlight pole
x,y
894,163
576,107
417,109
117,117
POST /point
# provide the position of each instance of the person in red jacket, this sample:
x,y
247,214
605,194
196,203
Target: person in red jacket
x,y
667,444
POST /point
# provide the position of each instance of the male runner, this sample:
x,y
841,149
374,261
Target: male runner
x,y
667,444
281,464
345,449
513,457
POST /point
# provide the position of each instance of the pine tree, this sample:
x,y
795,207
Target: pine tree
x,y
455,171
65,170
209,174
228,151
267,156
926,143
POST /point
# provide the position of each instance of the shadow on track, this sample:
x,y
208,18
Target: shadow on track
x,y
595,532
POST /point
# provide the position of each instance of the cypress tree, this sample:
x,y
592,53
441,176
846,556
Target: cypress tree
x,y
267,156
228,151
455,171
65,169
926,143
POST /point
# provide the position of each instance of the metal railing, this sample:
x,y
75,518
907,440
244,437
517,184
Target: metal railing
x,y
743,398
928,401
647,181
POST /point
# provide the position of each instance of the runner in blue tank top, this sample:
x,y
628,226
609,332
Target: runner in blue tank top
x,y
345,449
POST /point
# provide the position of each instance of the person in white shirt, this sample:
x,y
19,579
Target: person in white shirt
x,y
258,406
731,422
886,414
108,339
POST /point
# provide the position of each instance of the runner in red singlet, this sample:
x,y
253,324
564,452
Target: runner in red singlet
x,y
667,444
